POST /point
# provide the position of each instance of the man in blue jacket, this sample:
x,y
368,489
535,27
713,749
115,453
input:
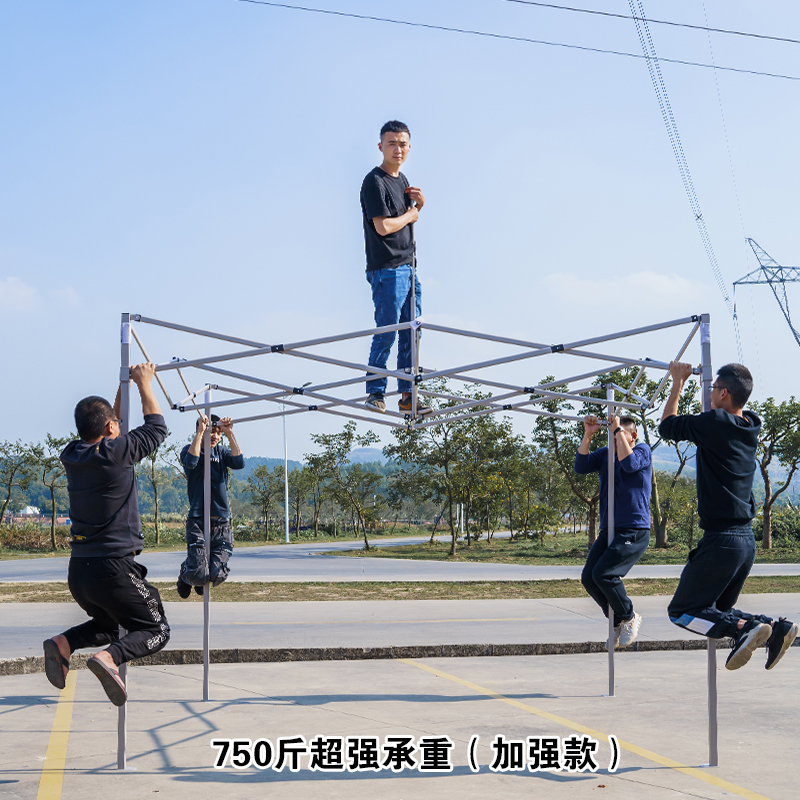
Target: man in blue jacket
x,y
726,439
607,564
199,568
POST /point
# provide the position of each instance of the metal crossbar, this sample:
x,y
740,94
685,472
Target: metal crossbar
x,y
449,407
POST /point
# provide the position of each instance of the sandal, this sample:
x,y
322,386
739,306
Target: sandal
x,y
110,681
56,666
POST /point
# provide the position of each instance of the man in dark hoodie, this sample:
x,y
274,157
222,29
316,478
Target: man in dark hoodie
x,y
201,568
104,579
726,438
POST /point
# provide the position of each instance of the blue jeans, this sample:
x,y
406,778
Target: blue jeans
x,y
391,296
711,582
605,566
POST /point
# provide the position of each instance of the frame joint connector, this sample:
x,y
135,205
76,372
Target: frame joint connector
x,y
276,348
312,408
528,390
557,348
695,318
299,390
507,408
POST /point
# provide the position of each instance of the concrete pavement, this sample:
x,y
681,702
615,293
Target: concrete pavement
x,y
65,746
373,624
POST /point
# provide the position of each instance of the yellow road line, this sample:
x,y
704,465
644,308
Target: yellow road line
x,y
390,621
53,769
640,751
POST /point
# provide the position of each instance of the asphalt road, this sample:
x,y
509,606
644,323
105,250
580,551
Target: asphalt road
x,y
304,562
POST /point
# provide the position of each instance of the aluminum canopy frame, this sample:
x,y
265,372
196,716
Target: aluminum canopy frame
x,y
328,398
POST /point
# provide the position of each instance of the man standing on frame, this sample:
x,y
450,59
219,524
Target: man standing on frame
x,y
726,438
104,579
389,208
607,564
200,567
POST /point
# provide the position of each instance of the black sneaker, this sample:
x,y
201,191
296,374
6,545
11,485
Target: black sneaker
x,y
783,635
198,590
749,638
184,589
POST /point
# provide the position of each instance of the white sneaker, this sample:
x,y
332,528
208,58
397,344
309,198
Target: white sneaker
x,y
617,631
630,630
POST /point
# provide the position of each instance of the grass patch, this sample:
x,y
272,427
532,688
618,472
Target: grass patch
x,y
58,592
563,549
33,541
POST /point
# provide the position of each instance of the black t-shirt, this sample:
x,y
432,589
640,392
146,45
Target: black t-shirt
x,y
383,195
103,497
726,463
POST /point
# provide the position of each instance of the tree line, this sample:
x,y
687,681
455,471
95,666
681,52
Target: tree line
x,y
478,464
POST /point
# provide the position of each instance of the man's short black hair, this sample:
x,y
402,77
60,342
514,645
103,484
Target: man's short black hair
x,y
395,126
736,378
629,423
214,421
91,415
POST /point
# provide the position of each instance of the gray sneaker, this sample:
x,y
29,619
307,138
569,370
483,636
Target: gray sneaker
x,y
375,402
630,630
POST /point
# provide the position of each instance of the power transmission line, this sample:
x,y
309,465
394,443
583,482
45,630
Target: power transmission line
x,y
594,12
511,38
649,49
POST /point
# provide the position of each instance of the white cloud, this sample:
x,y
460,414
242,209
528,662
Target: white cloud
x,y
656,289
16,295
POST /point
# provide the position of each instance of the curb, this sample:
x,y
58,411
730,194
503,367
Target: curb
x,y
240,655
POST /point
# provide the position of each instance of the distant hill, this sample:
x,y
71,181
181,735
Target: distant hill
x,y
362,455
366,455
251,462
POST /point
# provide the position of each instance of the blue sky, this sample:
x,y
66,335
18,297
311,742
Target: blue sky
x,y
199,161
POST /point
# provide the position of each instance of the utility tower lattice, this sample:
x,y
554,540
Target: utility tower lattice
x,y
776,276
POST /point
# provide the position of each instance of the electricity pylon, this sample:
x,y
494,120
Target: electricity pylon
x,y
776,276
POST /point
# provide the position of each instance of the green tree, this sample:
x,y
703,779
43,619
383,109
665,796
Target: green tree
x,y
437,451
265,486
779,440
18,468
299,490
352,485
53,476
480,444
663,495
560,439
156,468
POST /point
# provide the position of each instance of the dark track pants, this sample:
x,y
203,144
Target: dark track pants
x,y
605,566
114,593
198,570
711,583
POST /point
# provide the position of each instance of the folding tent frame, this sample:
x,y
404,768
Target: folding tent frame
x,y
326,398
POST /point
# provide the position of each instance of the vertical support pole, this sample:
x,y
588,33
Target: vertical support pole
x,y
207,537
610,523
285,478
706,379
414,332
124,427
